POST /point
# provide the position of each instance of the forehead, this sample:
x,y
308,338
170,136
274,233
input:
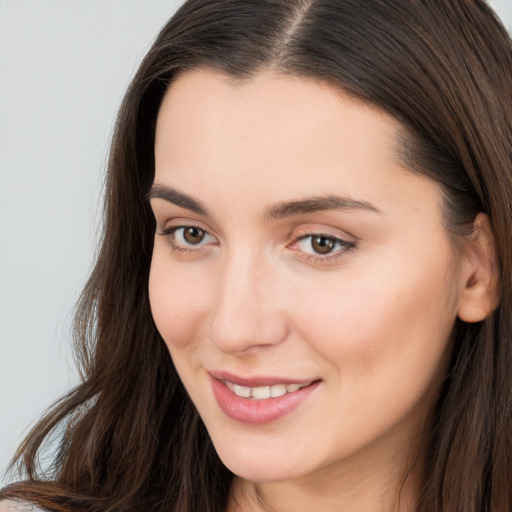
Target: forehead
x,y
269,102
276,135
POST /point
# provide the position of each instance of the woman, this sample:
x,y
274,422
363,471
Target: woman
x,y
303,295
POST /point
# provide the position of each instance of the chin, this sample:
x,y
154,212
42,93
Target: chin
x,y
259,465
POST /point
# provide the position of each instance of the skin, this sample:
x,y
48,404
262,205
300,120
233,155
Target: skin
x,y
372,323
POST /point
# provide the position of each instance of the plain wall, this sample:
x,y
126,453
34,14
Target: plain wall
x,y
64,67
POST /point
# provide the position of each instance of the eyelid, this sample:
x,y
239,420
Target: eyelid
x,y
324,230
174,223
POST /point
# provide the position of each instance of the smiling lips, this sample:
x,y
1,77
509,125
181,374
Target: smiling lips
x,y
261,403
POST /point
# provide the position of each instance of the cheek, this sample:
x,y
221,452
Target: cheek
x,y
177,300
378,327
386,350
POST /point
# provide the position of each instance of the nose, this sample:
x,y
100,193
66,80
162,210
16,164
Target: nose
x,y
246,312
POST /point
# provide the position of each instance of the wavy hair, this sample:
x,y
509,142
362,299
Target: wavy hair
x,y
129,437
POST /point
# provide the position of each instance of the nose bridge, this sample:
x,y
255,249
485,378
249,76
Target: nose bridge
x,y
245,312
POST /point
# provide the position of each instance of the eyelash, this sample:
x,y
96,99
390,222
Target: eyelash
x,y
346,246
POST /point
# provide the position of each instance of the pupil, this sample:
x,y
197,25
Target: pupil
x,y
322,244
193,235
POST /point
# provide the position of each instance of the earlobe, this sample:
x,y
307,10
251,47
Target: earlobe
x,y
480,277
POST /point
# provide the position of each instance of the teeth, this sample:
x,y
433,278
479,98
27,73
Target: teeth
x,y
264,392
261,393
242,391
278,390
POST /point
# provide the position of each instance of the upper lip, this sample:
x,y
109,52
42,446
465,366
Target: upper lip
x,y
257,380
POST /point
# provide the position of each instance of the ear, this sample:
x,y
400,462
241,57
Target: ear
x,y
480,273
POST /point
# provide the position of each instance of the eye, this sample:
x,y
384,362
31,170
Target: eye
x,y
322,247
187,238
190,235
322,244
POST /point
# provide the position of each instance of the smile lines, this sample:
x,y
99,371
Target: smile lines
x,y
264,392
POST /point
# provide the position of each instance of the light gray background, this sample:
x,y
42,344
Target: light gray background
x,y
64,66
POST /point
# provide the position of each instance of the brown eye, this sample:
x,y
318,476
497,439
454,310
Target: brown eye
x,y
322,248
193,235
188,239
323,244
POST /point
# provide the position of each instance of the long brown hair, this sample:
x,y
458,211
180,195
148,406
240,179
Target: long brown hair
x,y
130,439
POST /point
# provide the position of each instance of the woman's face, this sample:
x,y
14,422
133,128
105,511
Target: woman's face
x,y
301,276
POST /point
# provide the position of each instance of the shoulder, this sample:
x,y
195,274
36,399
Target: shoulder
x,y
17,506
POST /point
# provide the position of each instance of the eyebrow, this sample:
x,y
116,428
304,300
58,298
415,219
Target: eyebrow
x,y
317,204
278,211
171,195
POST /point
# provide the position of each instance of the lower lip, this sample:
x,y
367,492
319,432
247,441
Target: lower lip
x,y
258,412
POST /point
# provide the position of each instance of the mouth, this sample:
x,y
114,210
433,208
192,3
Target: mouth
x,y
259,400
